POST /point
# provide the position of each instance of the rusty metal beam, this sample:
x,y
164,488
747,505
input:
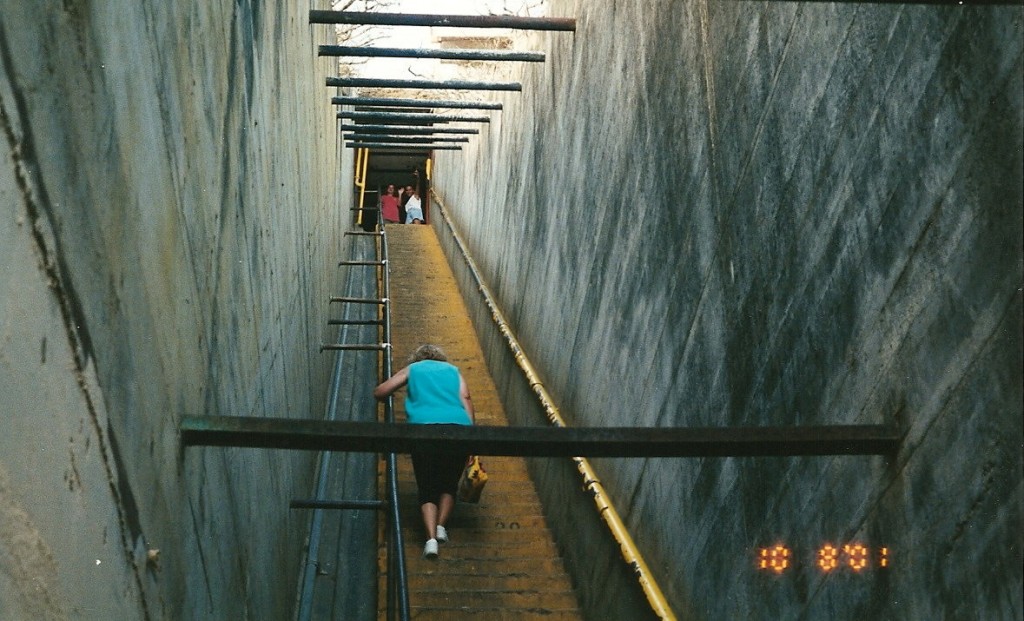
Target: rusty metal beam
x,y
950,3
322,435
391,138
316,503
454,85
401,145
416,103
399,52
513,22
405,129
418,116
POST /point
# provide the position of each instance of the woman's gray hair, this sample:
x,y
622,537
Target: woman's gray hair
x,y
428,352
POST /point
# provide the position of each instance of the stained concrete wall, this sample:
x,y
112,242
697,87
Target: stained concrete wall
x,y
714,214
170,217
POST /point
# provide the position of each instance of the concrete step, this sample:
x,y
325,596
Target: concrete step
x,y
546,569
553,582
452,595
493,613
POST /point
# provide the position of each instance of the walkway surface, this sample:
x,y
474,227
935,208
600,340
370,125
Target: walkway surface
x,y
501,562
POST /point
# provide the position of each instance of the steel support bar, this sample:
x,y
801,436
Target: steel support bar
x,y
283,433
405,150
312,503
410,139
391,110
416,103
358,300
951,3
399,52
416,116
513,22
377,263
354,347
399,145
455,85
354,322
406,129
367,233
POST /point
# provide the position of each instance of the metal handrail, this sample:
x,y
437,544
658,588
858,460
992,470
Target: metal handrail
x,y
398,584
397,581
630,553
305,607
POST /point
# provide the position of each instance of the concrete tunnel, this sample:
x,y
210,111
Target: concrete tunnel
x,y
694,214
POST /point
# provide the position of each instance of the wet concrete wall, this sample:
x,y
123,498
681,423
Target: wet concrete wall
x,y
715,214
170,216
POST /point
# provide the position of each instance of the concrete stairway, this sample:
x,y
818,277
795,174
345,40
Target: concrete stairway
x,y
501,561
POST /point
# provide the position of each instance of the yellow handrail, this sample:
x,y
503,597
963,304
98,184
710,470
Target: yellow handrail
x,y
362,157
630,553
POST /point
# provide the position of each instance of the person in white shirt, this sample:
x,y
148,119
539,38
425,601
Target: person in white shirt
x,y
414,208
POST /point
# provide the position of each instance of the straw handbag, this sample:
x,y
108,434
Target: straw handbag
x,y
473,479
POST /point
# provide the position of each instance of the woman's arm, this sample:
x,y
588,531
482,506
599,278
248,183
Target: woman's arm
x,y
391,384
467,401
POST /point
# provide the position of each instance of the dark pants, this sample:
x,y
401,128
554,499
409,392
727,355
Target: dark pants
x,y
437,473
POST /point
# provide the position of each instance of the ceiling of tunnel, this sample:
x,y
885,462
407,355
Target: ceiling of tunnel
x,y
404,68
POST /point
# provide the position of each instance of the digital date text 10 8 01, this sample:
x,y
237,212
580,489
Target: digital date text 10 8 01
x,y
855,557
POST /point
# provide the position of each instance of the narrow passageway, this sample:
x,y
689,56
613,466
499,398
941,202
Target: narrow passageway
x,y
501,561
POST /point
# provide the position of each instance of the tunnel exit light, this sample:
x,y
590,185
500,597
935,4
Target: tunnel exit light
x,y
852,557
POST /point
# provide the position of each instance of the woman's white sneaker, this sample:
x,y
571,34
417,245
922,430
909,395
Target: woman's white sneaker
x,y
430,550
442,534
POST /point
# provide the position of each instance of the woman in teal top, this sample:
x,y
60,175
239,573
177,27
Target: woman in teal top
x,y
436,394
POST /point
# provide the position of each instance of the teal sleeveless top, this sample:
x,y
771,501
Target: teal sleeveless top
x,y
432,394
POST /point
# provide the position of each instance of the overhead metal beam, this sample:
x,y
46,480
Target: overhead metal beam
x,y
404,150
951,3
316,503
324,435
455,85
405,129
416,103
399,52
390,138
403,116
400,145
391,110
513,22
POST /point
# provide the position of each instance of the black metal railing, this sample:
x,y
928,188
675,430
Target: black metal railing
x,y
397,582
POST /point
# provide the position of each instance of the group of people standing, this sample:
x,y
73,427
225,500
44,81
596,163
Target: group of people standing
x,y
406,208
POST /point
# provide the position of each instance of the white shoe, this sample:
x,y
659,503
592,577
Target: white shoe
x,y
430,550
442,534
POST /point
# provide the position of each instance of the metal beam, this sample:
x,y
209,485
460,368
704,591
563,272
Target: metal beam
x,y
323,435
416,103
404,150
513,22
389,110
419,116
405,129
314,503
401,145
400,52
455,85
950,3
387,138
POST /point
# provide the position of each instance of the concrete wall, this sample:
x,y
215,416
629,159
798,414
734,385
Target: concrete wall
x,y
170,215
707,214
